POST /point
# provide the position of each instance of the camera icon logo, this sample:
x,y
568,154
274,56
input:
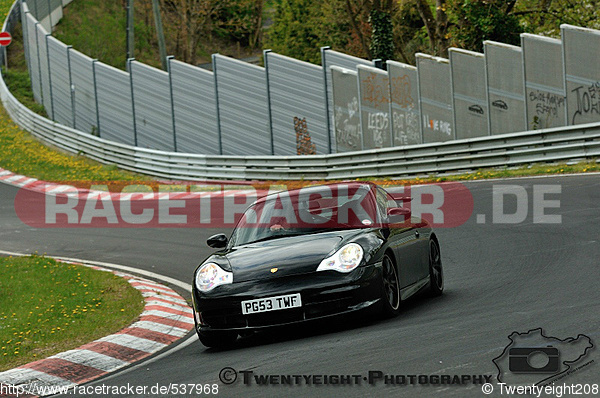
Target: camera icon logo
x,y
534,360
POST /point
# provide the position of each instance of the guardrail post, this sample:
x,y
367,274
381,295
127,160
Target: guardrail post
x,y
37,42
328,122
452,99
169,59
266,58
71,86
96,95
214,61
524,85
130,70
26,46
360,113
420,103
487,90
50,79
565,82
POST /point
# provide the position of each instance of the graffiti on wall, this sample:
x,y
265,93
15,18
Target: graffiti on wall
x,y
374,90
406,127
347,125
405,121
304,144
378,125
402,92
437,125
545,109
500,104
547,103
588,101
375,100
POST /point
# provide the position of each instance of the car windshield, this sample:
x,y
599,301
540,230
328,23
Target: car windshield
x,y
307,211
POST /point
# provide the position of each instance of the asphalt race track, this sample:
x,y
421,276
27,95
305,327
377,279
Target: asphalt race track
x,y
499,278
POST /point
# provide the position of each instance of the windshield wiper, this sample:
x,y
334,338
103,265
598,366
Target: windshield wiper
x,y
267,238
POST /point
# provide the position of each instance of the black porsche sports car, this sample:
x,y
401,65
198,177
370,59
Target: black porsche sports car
x,y
311,253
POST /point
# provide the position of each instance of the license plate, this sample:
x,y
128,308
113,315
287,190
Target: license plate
x,y
271,304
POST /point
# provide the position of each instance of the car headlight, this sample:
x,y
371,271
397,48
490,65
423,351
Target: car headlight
x,y
344,260
210,275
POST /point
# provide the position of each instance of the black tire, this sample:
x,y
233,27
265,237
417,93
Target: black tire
x,y
390,293
436,271
217,339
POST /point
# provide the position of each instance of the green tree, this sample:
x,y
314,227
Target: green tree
x,y
382,36
188,21
301,27
479,20
435,20
545,16
240,20
396,29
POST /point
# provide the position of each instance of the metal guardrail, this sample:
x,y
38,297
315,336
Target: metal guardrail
x,y
557,144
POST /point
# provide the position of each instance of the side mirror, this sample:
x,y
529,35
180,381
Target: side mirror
x,y
217,241
398,215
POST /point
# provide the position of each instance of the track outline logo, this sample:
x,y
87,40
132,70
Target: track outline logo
x,y
548,347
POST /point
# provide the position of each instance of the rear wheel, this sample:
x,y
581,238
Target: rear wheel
x,y
436,273
217,339
391,288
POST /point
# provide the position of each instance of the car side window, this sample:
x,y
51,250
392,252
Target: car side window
x,y
391,201
382,201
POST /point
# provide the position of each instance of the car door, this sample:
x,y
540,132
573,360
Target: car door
x,y
404,241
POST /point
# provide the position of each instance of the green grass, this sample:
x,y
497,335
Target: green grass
x,y
97,29
23,154
19,84
47,307
537,169
4,8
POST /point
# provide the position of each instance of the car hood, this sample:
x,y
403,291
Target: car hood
x,y
282,256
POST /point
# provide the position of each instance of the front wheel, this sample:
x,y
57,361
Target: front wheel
x,y
436,273
217,339
391,288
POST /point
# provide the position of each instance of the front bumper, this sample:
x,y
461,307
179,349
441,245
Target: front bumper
x,y
324,294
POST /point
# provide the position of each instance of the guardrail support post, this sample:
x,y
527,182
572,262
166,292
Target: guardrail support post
x,y
51,113
169,59
25,31
420,103
130,69
96,96
214,61
266,58
37,42
328,121
71,87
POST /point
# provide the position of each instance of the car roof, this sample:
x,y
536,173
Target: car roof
x,y
350,184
